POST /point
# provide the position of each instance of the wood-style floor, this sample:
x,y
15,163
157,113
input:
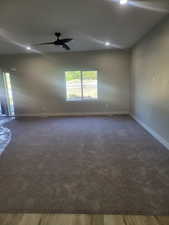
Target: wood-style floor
x,y
74,219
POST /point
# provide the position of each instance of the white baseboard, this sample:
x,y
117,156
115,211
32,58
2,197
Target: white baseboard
x,y
74,114
152,132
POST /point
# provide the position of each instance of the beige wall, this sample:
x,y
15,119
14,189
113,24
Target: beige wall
x,y
150,81
39,85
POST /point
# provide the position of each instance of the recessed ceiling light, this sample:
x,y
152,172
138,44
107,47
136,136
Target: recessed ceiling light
x,y
28,48
123,2
107,43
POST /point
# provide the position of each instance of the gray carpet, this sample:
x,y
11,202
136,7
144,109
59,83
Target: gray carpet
x,y
83,165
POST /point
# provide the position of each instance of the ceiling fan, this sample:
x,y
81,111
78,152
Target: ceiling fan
x,y
59,42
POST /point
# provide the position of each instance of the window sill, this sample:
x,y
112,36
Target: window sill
x,y
82,100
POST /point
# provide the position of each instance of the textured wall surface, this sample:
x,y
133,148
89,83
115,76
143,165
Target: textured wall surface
x,y
150,80
39,82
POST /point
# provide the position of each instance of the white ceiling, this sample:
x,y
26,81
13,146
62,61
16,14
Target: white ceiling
x,y
89,22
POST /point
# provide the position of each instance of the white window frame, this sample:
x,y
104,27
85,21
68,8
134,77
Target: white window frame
x,y
82,99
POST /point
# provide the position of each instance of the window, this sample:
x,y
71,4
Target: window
x,y
81,85
9,95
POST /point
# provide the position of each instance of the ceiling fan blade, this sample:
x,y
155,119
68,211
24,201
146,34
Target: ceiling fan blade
x,y
66,40
65,47
47,43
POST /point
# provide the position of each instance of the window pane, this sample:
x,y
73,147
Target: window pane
x,y
89,84
73,85
9,91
